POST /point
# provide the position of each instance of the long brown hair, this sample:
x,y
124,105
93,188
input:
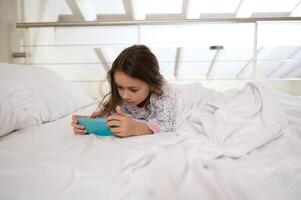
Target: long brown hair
x,y
138,62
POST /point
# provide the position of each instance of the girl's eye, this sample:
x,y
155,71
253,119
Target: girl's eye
x,y
119,88
134,90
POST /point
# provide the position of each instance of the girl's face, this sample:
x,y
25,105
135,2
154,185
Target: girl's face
x,y
131,90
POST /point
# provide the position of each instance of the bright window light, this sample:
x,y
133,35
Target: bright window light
x,y
279,33
162,7
108,7
296,12
198,7
248,7
198,34
139,10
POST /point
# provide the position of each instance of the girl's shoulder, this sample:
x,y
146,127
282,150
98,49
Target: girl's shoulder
x,y
167,95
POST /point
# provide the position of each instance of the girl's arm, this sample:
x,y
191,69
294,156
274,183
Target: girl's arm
x,y
142,129
163,117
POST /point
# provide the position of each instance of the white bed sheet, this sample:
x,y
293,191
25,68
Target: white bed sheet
x,y
50,162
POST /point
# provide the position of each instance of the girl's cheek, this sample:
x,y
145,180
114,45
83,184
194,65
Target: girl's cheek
x,y
120,93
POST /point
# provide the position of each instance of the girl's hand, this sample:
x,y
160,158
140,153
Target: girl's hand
x,y
125,126
80,129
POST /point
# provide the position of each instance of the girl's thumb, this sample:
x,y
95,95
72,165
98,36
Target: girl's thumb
x,y
119,111
94,115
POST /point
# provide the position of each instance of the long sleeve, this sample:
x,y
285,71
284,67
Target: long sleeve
x,y
163,113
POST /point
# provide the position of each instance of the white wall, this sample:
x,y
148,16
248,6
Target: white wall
x,y
72,52
296,88
10,37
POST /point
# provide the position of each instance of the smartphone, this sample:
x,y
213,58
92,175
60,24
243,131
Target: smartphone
x,y
95,126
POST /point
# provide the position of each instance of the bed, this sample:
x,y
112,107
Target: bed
x,y
221,149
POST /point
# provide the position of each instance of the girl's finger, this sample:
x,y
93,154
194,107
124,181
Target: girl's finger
x,y
74,118
114,117
115,130
113,123
94,115
77,126
79,131
119,111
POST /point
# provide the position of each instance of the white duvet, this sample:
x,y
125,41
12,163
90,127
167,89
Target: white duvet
x,y
233,123
236,145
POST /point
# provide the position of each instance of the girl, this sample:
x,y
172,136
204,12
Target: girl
x,y
140,101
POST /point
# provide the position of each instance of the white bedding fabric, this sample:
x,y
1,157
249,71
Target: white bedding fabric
x,y
31,95
232,123
236,145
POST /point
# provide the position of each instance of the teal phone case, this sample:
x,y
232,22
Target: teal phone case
x,y
96,126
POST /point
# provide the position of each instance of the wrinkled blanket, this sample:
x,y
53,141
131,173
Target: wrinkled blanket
x,y
231,123
210,126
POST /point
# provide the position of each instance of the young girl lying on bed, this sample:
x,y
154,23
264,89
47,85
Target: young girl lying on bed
x,y
140,101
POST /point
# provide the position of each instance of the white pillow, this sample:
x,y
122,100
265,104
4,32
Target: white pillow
x,y
32,95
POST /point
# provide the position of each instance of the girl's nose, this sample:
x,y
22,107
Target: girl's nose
x,y
126,95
